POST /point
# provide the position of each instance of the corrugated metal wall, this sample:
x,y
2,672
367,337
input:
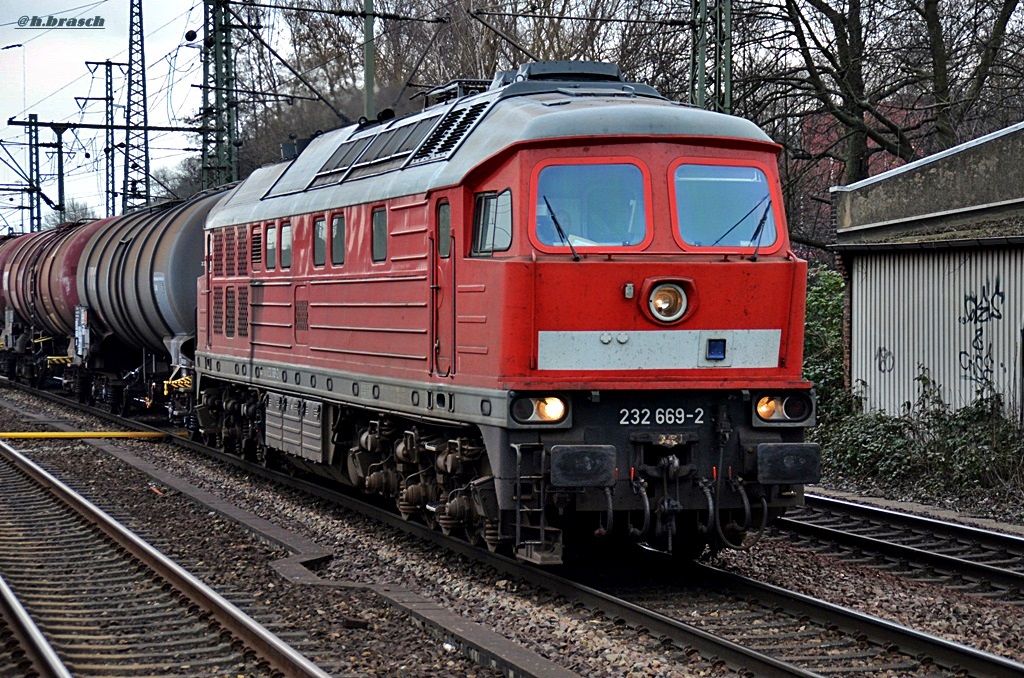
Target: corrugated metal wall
x,y
957,313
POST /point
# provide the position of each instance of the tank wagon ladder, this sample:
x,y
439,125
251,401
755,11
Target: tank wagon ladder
x,y
531,494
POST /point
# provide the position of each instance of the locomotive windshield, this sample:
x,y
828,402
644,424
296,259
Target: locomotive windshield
x,y
724,206
594,204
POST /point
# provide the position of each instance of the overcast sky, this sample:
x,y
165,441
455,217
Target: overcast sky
x,y
46,71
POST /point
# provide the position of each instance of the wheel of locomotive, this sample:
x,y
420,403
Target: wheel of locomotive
x,y
475,532
254,451
84,389
229,442
125,403
405,509
247,448
115,400
492,536
689,548
449,526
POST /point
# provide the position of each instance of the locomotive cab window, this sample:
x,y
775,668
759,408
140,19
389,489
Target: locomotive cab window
x,y
286,246
492,223
271,248
380,235
723,206
319,242
591,205
338,240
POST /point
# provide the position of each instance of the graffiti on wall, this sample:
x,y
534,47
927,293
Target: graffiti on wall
x,y
984,307
981,308
885,360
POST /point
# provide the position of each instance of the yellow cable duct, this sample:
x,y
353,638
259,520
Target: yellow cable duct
x,y
82,434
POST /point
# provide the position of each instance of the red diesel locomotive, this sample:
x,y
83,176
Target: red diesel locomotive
x,y
556,305
547,308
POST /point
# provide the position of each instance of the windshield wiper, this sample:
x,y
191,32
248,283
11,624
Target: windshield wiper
x,y
760,229
558,227
742,219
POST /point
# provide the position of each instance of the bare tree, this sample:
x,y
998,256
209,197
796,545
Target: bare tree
x,y
965,41
73,211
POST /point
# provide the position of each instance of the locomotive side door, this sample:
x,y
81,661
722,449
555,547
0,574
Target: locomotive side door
x,y
442,288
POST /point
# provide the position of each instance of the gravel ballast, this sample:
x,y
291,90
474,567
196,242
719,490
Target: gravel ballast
x,y
371,554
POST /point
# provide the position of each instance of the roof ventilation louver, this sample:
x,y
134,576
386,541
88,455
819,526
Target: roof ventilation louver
x,y
452,129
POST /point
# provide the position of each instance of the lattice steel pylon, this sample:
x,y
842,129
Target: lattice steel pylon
x,y
135,192
35,198
220,105
711,55
109,146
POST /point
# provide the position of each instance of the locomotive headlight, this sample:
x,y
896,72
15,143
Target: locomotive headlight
x,y
797,407
529,410
551,409
767,407
786,410
667,302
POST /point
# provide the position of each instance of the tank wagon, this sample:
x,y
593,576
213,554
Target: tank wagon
x,y
106,307
548,308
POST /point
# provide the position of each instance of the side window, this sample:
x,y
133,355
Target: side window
x,y
286,245
271,248
380,235
492,222
338,240
444,230
319,242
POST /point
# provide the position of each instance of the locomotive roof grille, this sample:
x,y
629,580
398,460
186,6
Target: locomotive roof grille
x,y
453,128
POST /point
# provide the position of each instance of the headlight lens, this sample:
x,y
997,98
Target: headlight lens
x,y
784,408
797,407
766,407
668,302
549,410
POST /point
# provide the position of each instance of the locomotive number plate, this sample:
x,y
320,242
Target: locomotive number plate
x,y
661,416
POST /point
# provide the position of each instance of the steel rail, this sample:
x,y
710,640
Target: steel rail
x,y
977,535
31,640
944,652
278,654
944,563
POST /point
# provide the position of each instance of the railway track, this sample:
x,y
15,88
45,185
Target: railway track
x,y
961,557
810,636
107,602
24,650
750,626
